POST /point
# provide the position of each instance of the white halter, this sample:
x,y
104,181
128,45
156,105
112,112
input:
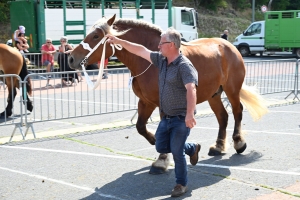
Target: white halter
x,y
86,46
83,62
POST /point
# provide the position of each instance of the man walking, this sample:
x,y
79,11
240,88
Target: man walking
x,y
177,98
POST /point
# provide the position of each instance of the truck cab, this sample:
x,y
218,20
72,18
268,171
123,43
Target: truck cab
x,y
252,40
185,20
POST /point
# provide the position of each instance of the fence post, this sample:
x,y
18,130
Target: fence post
x,y
296,88
27,124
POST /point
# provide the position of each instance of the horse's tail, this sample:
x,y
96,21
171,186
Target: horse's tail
x,y
23,74
254,102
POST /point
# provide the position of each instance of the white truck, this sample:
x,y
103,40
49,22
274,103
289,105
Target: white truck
x,y
54,19
279,33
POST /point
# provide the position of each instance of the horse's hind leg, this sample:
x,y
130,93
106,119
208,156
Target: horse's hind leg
x,y
222,117
237,110
144,113
28,102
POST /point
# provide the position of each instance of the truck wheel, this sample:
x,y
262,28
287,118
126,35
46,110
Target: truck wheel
x,y
297,52
244,51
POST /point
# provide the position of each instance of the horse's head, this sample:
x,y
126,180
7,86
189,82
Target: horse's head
x,y
89,51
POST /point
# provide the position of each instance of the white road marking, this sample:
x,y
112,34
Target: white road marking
x,y
130,158
73,152
60,182
250,169
274,111
249,131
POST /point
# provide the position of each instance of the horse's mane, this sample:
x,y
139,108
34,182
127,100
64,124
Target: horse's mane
x,y
130,23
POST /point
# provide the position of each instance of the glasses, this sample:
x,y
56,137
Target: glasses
x,y
161,43
49,42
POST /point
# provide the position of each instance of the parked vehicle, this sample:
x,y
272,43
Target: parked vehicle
x,y
73,18
280,32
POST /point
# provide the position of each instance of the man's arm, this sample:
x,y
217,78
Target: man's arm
x,y
134,48
191,98
43,50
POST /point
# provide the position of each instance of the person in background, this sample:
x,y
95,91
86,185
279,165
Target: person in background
x,y
19,38
21,45
64,51
177,83
225,35
48,51
104,75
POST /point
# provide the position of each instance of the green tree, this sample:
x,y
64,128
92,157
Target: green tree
x,y
240,4
279,4
211,4
294,5
4,11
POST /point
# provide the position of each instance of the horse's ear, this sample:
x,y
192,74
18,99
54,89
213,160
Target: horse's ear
x,y
111,20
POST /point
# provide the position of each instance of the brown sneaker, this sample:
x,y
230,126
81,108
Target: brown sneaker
x,y
178,190
194,158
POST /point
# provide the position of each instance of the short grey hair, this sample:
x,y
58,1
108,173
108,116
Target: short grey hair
x,y
64,38
173,35
49,39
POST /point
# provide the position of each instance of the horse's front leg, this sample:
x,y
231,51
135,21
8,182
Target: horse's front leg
x,y
222,117
12,92
144,113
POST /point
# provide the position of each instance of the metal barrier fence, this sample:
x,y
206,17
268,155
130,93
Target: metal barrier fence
x,y
272,76
54,101
35,65
17,111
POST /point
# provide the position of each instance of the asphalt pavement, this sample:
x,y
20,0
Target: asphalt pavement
x,y
103,157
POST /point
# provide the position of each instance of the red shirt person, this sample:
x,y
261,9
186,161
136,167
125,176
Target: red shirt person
x,y
48,51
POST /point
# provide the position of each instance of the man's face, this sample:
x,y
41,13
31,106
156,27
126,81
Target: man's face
x,y
48,42
164,45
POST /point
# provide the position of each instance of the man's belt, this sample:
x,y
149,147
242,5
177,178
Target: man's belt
x,y
163,115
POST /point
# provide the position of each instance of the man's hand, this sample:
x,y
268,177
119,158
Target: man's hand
x,y
134,48
190,120
112,39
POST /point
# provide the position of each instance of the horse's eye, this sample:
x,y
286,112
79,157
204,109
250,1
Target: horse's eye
x,y
96,36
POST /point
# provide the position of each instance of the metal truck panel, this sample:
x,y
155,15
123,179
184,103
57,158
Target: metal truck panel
x,y
54,19
282,29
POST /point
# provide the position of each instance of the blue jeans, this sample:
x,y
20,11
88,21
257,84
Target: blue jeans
x,y
171,136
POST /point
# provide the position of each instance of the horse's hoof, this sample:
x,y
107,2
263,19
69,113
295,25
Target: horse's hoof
x,y
157,170
2,115
151,138
152,142
213,152
241,150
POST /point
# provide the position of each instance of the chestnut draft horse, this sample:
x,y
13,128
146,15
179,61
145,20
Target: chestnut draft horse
x,y
219,64
12,62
